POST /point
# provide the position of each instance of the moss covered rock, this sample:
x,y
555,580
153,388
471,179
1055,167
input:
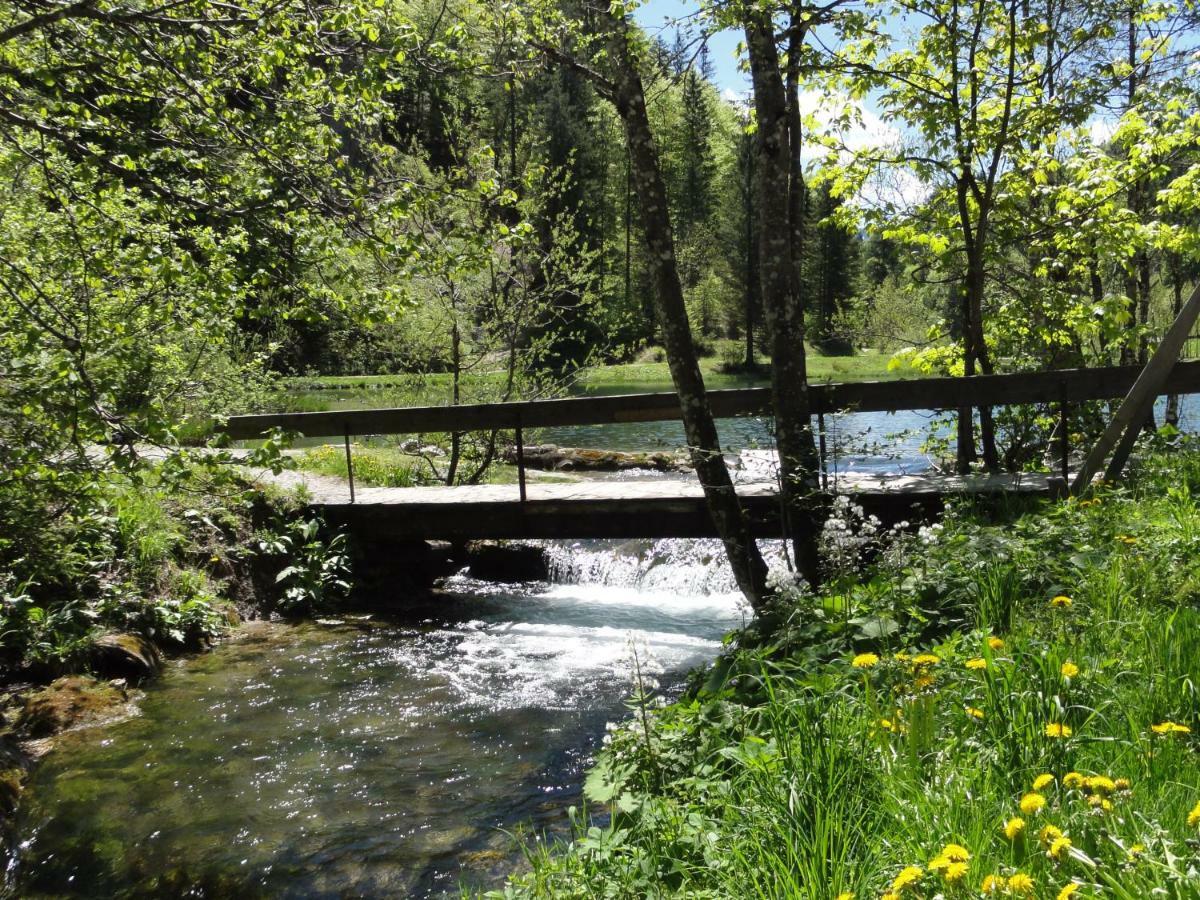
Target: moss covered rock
x,y
70,702
125,656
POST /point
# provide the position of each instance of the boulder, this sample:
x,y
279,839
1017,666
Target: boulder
x,y
551,457
125,656
69,702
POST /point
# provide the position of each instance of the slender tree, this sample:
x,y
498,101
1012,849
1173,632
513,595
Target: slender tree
x,y
616,74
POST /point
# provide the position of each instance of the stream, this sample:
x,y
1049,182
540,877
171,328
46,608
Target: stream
x,y
370,758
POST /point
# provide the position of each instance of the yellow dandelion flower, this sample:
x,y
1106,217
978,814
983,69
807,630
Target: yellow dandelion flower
x,y
1074,780
845,895
1061,601
1170,728
974,712
1048,834
901,657
1069,891
1014,828
1032,803
956,853
1127,539
955,872
1097,801
864,660
995,643
1122,784
1069,669
921,682
887,724
993,884
938,865
908,876
1193,818
926,659
1136,851
1059,848
1058,730
1043,781
889,895
1101,784
1020,884
976,663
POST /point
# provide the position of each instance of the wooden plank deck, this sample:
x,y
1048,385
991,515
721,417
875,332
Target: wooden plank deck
x,y
661,507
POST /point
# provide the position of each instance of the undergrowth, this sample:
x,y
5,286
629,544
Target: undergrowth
x,y
1004,706
164,552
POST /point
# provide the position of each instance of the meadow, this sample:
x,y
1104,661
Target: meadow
x,y
1006,705
648,373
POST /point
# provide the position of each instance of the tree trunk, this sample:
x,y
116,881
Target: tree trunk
x,y
628,95
1171,416
782,306
979,350
964,445
796,187
749,212
455,390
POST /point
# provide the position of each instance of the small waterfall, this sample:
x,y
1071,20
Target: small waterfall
x,y
684,568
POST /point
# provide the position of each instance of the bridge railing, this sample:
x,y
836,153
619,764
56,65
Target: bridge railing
x,y
1062,387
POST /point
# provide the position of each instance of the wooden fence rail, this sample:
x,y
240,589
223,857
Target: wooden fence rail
x,y
1060,386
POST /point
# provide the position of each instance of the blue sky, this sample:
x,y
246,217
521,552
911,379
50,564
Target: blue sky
x,y
657,16
663,17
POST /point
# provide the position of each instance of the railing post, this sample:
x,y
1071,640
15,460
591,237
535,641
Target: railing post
x,y
821,451
520,461
349,464
1064,432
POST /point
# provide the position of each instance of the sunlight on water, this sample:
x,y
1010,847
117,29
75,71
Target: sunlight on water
x,y
370,758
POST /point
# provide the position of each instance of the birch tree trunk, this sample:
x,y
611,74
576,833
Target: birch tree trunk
x,y
627,94
782,305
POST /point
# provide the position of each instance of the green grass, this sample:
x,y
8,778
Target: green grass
x,y
373,466
317,393
795,773
392,467
868,365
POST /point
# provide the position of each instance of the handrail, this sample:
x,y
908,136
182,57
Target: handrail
x,y
1056,386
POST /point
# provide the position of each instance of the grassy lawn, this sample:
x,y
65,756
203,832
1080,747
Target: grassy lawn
x,y
868,365
1004,706
324,392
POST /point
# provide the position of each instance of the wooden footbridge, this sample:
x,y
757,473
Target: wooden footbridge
x,y
673,507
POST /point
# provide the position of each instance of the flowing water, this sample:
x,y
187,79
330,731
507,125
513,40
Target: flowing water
x,y
364,758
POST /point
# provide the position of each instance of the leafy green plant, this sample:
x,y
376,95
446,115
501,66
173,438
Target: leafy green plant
x,y
315,573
